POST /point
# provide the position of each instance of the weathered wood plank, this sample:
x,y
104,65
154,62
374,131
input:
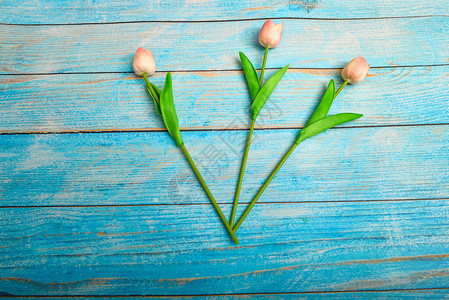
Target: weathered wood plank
x,y
215,46
394,294
147,168
216,100
173,250
54,11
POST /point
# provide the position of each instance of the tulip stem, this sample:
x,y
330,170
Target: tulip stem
x,y
209,194
267,182
264,186
263,65
197,173
340,88
150,86
242,172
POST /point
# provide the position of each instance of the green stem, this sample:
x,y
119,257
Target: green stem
x,y
242,171
263,65
341,88
150,86
267,182
209,194
264,186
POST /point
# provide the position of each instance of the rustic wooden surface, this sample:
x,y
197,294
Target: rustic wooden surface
x,y
96,200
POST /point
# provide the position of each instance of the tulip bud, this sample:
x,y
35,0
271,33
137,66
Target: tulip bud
x,y
270,34
355,71
144,62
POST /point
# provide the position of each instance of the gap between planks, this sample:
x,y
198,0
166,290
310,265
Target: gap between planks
x,y
231,294
226,20
216,70
212,129
221,203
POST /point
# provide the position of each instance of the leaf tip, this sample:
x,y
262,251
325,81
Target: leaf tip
x,y
242,56
357,116
168,78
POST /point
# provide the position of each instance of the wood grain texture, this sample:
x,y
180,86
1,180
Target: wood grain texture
x,y
54,11
216,100
146,167
171,250
190,46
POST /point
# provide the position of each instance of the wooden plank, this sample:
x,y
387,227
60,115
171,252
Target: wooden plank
x,y
216,100
396,294
146,167
54,11
157,250
215,45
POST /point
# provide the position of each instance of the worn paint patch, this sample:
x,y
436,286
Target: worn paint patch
x,y
307,5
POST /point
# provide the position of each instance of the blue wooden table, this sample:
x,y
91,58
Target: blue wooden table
x,y
96,200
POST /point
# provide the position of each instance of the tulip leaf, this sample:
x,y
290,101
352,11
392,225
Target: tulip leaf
x,y
169,112
325,104
325,124
154,97
266,91
251,75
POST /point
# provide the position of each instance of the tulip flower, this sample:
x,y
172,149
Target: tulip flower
x,y
144,65
269,37
270,34
354,72
143,62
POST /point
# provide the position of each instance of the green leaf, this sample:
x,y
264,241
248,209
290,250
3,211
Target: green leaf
x,y
266,91
324,124
251,75
154,97
169,112
325,104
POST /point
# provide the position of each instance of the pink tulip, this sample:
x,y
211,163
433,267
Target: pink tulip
x,y
270,34
355,71
144,62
